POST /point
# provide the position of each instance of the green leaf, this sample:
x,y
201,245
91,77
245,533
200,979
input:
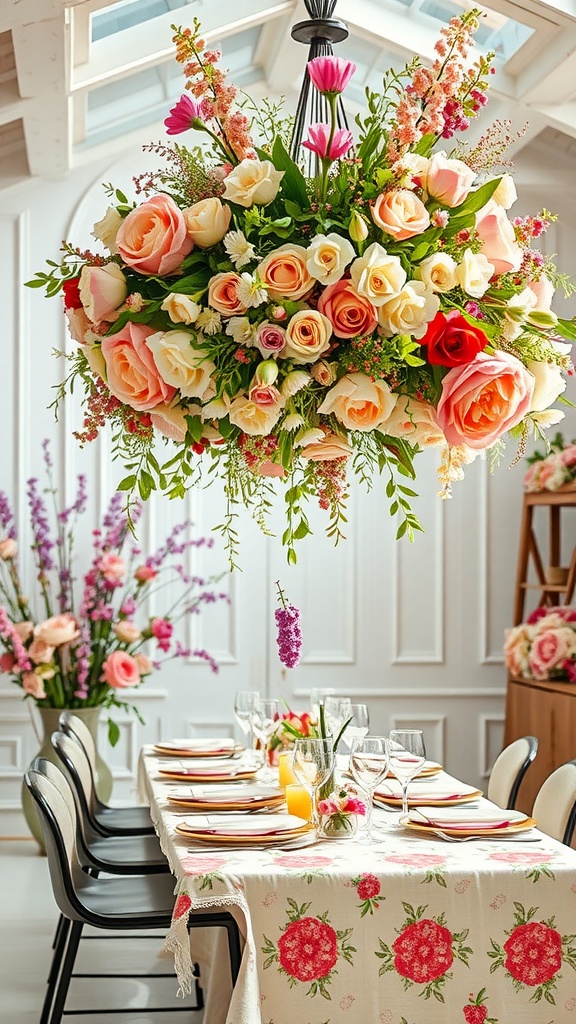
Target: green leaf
x,y
113,733
293,184
566,328
195,426
127,484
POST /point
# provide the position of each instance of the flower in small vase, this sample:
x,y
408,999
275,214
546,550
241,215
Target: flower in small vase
x,y
339,812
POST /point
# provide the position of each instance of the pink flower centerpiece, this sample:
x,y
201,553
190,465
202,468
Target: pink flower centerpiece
x,y
339,813
553,471
293,328
543,647
82,644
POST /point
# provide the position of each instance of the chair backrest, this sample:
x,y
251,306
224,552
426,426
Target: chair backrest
x,y
555,804
77,766
72,724
509,769
57,813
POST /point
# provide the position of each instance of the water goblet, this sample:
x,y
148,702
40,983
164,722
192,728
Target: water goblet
x,y
264,718
369,765
406,756
244,701
336,712
317,697
358,725
313,765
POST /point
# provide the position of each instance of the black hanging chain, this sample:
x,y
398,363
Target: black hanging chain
x,y
320,33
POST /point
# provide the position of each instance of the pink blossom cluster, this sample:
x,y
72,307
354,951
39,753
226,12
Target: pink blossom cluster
x,y
553,472
543,647
342,801
289,636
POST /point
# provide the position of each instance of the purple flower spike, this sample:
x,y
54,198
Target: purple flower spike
x,y
183,115
289,637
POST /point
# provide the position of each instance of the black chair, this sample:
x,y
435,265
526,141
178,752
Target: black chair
x,y
509,769
113,904
555,804
103,819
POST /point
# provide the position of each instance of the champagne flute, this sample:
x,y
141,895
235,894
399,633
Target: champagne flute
x,y
264,718
369,765
406,755
358,725
244,702
312,766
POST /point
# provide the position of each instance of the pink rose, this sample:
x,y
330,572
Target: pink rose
x,y
120,670
8,548
223,294
33,685
351,315
549,649
568,455
7,662
162,630
111,566
400,214
544,291
264,394
131,371
144,663
498,239
58,630
449,181
102,291
40,652
127,631
484,399
153,238
270,339
145,573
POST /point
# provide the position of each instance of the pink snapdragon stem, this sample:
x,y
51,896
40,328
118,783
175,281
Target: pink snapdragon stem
x,y
289,637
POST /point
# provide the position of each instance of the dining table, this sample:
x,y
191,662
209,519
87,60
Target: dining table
x,y
414,927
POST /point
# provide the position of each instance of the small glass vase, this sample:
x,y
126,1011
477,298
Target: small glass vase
x,y
338,826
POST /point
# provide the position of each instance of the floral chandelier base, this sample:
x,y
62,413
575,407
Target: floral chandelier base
x,y
269,323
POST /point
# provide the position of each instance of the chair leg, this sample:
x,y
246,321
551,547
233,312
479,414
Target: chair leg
x,y
234,950
66,972
59,947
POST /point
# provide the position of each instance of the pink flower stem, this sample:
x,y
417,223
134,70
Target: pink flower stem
x,y
326,161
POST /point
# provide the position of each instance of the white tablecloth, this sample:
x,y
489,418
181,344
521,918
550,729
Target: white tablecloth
x,y
411,930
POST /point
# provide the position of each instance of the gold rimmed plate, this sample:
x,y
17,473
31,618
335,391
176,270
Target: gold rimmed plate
x,y
416,801
198,748
257,839
189,775
267,803
430,768
463,831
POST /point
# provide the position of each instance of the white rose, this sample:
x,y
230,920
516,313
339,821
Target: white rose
x,y
410,311
473,273
377,275
95,360
438,272
179,363
180,308
207,221
413,169
328,256
550,383
505,194
253,181
416,421
254,419
105,230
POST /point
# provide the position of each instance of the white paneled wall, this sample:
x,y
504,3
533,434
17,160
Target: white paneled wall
x,y
415,630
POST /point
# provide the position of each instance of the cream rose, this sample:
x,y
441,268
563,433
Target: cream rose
x,y
328,256
127,631
170,421
410,311
40,652
376,275
544,291
505,194
325,449
253,181
57,630
105,230
416,421
284,272
144,663
207,221
400,214
549,384
307,336
8,548
449,181
359,402
102,291
179,363
473,273
254,419
438,272
180,308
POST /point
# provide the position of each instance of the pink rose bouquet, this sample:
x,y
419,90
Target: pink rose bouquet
x,y
80,643
293,327
552,471
543,647
338,811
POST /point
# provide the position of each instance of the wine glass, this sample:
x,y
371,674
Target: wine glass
x,y
336,712
264,718
358,725
369,765
317,697
406,755
244,701
312,766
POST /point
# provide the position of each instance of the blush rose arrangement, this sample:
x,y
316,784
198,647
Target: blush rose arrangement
x,y
275,325
552,471
81,646
543,647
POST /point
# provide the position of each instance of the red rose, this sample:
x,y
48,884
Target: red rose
x,y
533,953
453,341
308,949
368,887
423,951
72,293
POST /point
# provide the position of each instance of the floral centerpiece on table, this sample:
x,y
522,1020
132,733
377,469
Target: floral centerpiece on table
x,y
276,325
291,727
553,470
543,647
78,644
338,812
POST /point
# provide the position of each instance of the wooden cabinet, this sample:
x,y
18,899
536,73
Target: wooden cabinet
x,y
531,554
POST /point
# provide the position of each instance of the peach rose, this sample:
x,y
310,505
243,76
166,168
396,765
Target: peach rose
x,y
40,652
153,238
207,221
331,446
112,566
351,315
170,421
58,630
268,468
416,421
102,291
544,291
181,308
120,670
254,419
324,373
223,294
78,324
307,336
449,181
410,311
264,395
145,573
498,239
483,399
252,181
359,402
144,663
516,649
179,363
131,372
24,630
32,684
400,214
127,631
8,548
284,272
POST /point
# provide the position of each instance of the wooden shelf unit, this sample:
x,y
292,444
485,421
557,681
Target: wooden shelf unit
x,y
530,550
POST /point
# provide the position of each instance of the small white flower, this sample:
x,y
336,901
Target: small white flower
x,y
239,249
547,418
292,422
310,436
293,381
209,321
251,291
240,328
